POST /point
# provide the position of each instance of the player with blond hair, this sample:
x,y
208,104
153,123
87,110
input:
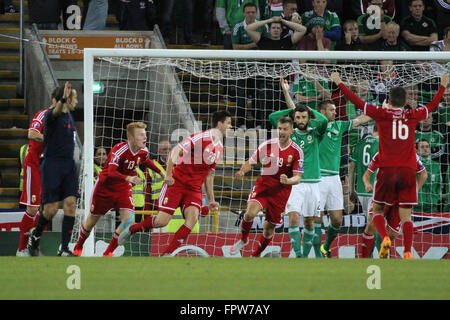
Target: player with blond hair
x,y
112,191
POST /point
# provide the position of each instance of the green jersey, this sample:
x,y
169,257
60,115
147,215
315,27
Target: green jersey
x,y
364,151
234,12
435,139
367,26
330,147
331,21
240,35
431,192
307,88
309,142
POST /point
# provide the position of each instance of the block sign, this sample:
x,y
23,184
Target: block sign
x,y
69,47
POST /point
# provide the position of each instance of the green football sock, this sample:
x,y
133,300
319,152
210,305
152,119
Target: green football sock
x,y
295,237
376,244
317,239
308,235
332,233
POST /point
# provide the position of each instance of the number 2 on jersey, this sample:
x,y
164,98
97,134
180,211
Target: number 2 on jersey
x,y
399,130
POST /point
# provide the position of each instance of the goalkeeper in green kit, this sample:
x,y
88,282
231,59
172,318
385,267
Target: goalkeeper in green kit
x,y
305,196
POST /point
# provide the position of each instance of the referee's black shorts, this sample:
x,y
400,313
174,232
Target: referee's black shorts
x,y
59,180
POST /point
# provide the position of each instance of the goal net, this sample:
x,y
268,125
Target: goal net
x,y
175,93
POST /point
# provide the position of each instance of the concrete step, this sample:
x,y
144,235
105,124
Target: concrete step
x,y
9,165
10,150
10,179
14,120
8,90
9,191
9,205
9,62
13,134
11,106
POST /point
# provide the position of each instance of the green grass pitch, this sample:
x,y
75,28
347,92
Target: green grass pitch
x,y
194,278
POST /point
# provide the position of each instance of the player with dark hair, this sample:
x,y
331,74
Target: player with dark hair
x,y
282,160
32,191
58,170
396,178
191,163
112,191
390,212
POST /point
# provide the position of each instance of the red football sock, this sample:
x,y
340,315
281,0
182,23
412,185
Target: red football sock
x,y
380,224
146,225
84,234
245,229
367,242
263,242
179,237
25,225
408,230
112,244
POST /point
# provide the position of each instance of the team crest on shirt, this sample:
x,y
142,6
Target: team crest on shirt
x,y
289,160
165,200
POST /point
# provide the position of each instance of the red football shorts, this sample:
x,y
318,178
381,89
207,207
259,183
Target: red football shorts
x,y
32,186
104,199
272,200
393,218
177,195
396,186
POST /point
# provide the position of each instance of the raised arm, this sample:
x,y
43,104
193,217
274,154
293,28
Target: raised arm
x,y
60,104
252,29
347,92
299,30
434,103
360,120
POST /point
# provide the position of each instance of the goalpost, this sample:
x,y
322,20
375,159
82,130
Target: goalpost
x,y
175,91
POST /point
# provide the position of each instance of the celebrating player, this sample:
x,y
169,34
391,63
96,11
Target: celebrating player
x,y
396,179
391,212
283,167
305,196
32,191
195,159
112,191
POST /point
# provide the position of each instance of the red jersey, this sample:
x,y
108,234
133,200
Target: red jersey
x,y
200,156
396,128
276,161
121,162
35,148
374,164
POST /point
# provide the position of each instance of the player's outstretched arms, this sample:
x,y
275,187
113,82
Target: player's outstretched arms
x,y
444,80
336,78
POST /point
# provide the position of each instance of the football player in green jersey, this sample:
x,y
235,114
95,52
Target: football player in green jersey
x,y
331,194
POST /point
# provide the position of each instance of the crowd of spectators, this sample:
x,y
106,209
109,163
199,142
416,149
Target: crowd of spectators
x,y
350,25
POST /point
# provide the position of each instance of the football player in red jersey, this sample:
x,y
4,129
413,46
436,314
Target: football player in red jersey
x,y
282,159
396,179
112,191
191,163
32,187
390,212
